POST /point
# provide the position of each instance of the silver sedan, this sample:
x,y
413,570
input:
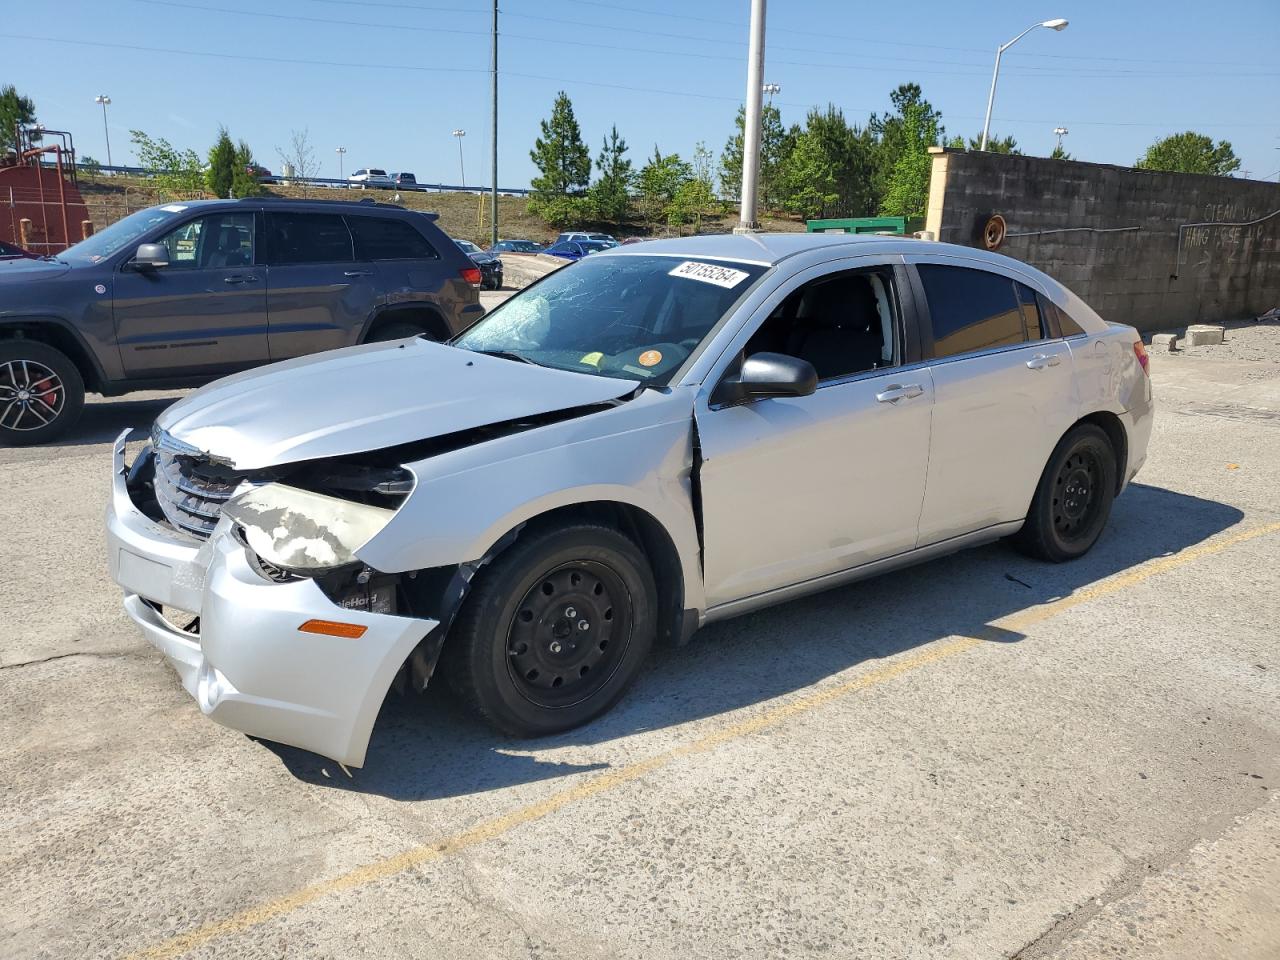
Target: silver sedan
x,y
657,437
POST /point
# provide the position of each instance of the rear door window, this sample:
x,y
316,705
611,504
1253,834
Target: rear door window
x,y
971,310
382,238
309,238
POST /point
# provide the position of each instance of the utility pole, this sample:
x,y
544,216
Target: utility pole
x,y
340,151
462,169
493,189
751,125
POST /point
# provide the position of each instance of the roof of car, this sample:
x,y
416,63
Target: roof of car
x,y
772,248
300,203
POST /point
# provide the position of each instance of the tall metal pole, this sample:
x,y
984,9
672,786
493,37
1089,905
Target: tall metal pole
x,y
493,189
991,99
751,125
104,100
462,170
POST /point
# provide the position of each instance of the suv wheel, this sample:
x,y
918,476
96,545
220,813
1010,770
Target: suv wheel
x,y
1073,501
555,630
41,392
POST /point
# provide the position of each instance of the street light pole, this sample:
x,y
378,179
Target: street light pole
x,y
1058,24
103,99
461,169
340,151
1060,132
751,121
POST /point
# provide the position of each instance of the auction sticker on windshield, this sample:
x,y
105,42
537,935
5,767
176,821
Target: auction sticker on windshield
x,y
725,277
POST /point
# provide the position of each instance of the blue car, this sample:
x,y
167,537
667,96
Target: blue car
x,y
577,249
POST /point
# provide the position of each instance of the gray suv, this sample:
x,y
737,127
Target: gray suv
x,y
180,294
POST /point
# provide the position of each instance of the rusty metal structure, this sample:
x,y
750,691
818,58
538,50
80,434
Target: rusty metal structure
x,y
41,209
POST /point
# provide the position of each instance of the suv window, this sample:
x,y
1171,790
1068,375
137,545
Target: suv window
x,y
309,238
972,309
377,173
382,238
217,241
842,324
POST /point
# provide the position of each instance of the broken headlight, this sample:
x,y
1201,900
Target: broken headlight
x,y
302,532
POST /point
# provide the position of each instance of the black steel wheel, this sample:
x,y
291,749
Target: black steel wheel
x,y
554,631
569,634
1073,500
41,392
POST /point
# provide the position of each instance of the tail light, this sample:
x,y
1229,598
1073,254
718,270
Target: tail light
x,y
1140,352
471,275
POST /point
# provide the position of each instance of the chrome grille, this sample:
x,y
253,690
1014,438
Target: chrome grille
x,y
191,492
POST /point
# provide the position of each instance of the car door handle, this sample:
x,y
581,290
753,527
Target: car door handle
x,y
1042,360
357,273
240,278
896,391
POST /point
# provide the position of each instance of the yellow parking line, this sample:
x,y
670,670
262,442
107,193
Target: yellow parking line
x,y
498,826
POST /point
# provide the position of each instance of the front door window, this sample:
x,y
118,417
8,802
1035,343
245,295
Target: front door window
x,y
217,242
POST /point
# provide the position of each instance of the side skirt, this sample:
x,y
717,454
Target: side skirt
x,y
734,608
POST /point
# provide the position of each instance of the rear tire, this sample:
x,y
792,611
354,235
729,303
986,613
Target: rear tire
x,y
41,393
554,631
1073,499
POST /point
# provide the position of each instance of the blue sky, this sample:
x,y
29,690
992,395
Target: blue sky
x,y
391,80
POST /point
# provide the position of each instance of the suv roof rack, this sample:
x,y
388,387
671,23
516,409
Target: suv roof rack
x,y
364,201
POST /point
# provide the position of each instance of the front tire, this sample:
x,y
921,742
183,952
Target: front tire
x,y
1073,500
554,631
41,393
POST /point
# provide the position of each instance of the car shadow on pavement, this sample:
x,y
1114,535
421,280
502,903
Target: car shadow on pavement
x,y
425,748
102,422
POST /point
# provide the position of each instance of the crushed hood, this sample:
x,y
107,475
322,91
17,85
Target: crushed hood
x,y
370,397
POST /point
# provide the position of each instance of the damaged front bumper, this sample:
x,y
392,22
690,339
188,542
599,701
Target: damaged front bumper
x,y
245,661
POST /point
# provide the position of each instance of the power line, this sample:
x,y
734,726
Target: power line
x,y
560,80
294,17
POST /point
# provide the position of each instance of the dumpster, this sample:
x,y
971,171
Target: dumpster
x,y
887,226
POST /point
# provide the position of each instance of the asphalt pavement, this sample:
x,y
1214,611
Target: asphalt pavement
x,y
980,757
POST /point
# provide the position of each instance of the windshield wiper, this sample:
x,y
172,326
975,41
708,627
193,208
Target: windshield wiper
x,y
508,355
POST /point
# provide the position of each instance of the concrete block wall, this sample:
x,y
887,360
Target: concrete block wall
x,y
1111,233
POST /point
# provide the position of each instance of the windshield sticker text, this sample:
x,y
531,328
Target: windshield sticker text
x,y
725,277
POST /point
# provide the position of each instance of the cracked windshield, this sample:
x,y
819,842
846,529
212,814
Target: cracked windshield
x,y
631,317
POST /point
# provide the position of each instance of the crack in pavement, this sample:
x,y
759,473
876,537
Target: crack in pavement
x,y
75,653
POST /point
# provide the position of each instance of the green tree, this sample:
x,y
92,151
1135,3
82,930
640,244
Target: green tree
x,y
1060,154
175,172
1190,152
809,179
244,177
15,110
693,196
610,194
222,165
89,165
907,186
658,181
994,144
563,162
895,134
775,143
841,157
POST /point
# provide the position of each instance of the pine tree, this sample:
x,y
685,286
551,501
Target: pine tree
x,y
563,161
609,194
244,182
15,110
222,165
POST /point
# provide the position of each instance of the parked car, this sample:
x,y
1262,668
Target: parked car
x,y
11,251
644,442
490,264
579,235
516,246
365,178
577,249
406,180
180,294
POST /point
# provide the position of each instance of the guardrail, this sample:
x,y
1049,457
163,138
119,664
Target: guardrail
x,y
328,182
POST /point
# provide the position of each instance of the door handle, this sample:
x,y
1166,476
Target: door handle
x,y
1041,360
357,273
240,278
896,391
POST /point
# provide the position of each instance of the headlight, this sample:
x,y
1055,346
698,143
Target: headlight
x,y
304,532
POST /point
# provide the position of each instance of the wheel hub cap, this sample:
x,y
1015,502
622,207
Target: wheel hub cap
x,y
31,395
1075,494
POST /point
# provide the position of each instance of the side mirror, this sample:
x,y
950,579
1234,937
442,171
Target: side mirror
x,y
766,375
150,256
